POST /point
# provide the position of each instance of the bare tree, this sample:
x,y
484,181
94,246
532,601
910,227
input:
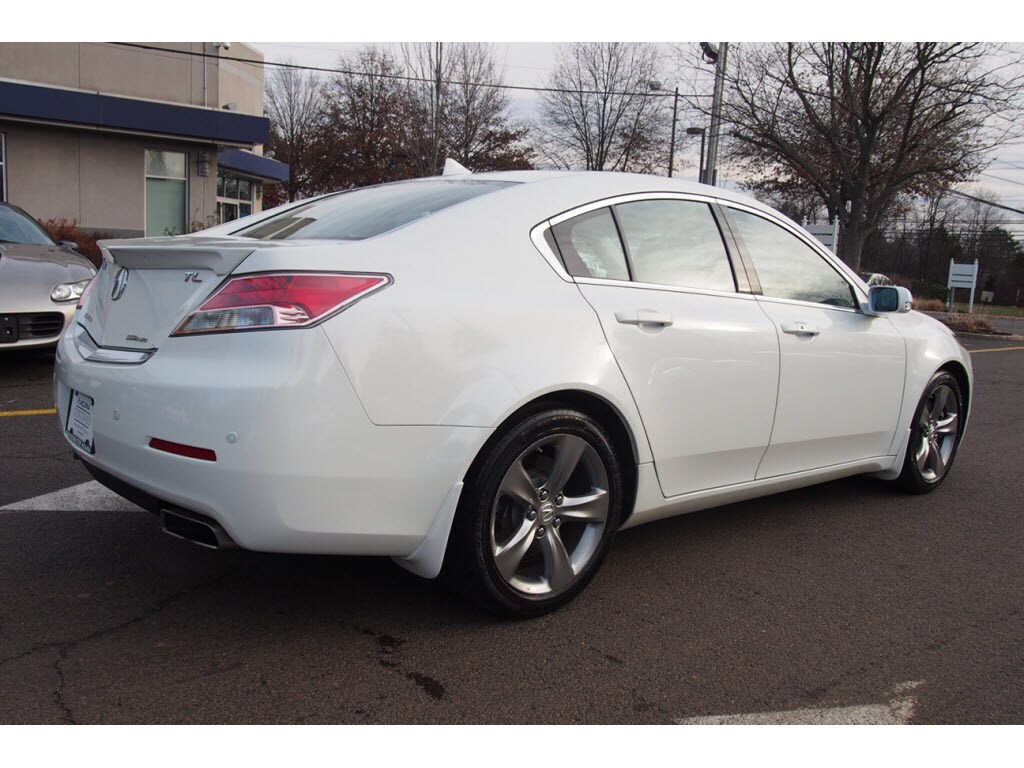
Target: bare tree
x,y
603,115
294,103
432,68
862,124
478,130
459,110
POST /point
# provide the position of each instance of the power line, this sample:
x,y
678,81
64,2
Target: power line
x,y
407,78
986,202
1002,178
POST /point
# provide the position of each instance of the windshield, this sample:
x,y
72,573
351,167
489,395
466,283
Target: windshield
x,y
16,227
362,213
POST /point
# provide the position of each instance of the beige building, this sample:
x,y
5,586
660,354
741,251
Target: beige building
x,y
152,138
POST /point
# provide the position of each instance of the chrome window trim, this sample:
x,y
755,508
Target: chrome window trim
x,y
808,304
660,287
537,236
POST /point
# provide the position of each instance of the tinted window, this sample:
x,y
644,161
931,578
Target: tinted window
x,y
591,247
17,228
787,267
369,211
675,242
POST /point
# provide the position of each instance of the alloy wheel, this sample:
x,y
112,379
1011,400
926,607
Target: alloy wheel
x,y
549,514
937,428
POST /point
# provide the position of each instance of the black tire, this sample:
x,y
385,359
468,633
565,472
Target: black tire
x,y
493,525
922,471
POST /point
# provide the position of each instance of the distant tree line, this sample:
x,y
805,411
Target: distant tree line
x,y
866,134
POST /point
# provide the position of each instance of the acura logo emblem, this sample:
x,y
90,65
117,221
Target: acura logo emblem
x,y
120,281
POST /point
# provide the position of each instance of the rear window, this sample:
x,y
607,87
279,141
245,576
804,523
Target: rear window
x,y
370,211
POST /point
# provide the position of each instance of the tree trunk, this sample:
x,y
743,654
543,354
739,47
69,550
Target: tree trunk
x,y
851,244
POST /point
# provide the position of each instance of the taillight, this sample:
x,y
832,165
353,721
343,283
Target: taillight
x,y
85,293
292,300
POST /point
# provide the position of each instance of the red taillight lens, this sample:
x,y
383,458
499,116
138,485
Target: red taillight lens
x,y
85,293
293,300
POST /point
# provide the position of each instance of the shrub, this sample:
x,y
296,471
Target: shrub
x,y
962,323
68,229
929,305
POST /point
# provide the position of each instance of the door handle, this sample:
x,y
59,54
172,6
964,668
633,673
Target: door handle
x,y
644,317
798,328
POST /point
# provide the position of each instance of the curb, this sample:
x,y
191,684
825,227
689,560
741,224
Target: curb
x,y
988,336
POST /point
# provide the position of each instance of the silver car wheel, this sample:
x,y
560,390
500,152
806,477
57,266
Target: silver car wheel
x,y
938,427
549,514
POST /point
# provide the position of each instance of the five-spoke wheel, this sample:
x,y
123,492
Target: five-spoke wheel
x,y
538,514
934,435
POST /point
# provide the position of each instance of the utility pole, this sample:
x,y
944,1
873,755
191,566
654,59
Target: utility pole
x,y
710,171
437,107
672,143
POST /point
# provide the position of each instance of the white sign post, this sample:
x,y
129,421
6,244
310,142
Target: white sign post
x,y
826,234
962,276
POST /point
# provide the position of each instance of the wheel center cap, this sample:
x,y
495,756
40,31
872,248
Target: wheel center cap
x,y
547,512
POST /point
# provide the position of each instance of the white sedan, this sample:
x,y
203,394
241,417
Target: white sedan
x,y
488,375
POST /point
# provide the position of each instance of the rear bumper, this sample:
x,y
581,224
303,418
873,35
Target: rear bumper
x,y
299,467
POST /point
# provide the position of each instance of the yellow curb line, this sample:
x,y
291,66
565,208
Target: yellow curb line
x,y
37,412
994,349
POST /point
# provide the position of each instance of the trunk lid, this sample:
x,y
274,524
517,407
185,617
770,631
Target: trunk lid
x,y
147,287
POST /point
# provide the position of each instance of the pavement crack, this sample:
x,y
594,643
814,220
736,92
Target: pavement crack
x,y
65,648
58,694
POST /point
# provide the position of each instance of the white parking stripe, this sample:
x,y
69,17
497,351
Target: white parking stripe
x,y
898,711
90,497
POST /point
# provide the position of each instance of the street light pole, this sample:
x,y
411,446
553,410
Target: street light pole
x,y
703,134
672,143
716,113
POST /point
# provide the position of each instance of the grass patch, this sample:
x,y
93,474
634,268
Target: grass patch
x,y
995,310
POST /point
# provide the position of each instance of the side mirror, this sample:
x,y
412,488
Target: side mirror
x,y
888,298
69,245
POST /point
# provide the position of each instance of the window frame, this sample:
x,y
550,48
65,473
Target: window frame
x,y
549,250
145,187
857,291
237,202
3,167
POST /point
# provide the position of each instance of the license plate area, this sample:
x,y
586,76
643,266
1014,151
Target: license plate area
x,y
79,426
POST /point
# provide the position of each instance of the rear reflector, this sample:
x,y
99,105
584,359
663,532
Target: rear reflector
x,y
286,300
178,449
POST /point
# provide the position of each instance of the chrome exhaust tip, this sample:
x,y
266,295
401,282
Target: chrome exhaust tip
x,y
195,528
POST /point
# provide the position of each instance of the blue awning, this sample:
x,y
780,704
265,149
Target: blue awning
x,y
97,110
253,165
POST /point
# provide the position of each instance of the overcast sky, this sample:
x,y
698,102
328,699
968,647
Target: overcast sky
x,y
530,64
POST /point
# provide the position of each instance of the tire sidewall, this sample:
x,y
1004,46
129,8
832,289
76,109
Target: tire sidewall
x,y
477,504
911,476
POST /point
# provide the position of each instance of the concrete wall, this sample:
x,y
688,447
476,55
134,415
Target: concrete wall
x,y
96,179
145,74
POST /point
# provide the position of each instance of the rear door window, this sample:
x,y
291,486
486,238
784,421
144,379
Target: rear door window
x,y
591,247
675,242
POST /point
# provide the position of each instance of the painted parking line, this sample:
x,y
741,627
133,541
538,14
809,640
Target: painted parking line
x,y
994,349
898,711
33,412
87,497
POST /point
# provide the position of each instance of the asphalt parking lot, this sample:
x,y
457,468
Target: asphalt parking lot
x,y
845,602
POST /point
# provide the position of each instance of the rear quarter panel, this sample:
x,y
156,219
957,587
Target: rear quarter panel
x,y
475,324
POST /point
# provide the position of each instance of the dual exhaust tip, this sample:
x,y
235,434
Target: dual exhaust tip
x,y
196,528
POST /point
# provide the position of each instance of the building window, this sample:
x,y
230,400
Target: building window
x,y
166,192
234,197
3,168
